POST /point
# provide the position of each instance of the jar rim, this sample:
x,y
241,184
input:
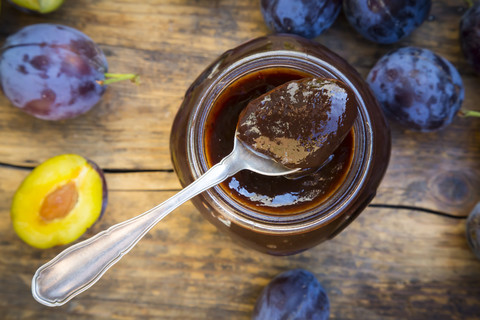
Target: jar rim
x,y
316,216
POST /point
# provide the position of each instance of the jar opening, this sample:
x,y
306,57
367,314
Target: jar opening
x,y
267,220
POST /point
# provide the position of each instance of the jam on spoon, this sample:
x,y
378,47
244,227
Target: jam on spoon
x,y
300,123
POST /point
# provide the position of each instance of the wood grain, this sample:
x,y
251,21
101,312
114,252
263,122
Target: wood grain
x,y
388,264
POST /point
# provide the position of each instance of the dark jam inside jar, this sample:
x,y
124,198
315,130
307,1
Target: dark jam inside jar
x,y
269,195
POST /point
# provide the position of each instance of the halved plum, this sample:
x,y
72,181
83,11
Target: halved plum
x,y
37,6
58,201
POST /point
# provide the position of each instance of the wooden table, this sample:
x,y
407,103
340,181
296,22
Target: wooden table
x,y
391,263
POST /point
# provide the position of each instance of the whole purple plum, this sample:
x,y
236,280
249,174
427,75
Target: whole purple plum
x,y
52,72
386,21
294,295
418,88
305,18
470,35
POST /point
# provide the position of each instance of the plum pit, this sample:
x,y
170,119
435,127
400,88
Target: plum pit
x,y
59,203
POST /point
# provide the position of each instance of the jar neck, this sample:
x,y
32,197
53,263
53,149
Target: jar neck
x,y
233,211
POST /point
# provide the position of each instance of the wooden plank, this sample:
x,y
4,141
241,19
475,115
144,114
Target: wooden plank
x,y
434,170
131,125
386,264
389,264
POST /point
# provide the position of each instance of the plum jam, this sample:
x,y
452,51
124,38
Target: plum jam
x,y
272,195
281,215
299,124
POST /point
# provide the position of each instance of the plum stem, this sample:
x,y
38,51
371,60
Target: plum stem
x,y
469,113
116,77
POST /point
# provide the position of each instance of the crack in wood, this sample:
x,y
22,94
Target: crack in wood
x,y
105,170
413,208
120,171
136,170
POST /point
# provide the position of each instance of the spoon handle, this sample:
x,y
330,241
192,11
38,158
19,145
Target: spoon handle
x,y
80,266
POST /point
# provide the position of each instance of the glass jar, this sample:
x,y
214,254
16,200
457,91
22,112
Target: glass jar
x,y
272,229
